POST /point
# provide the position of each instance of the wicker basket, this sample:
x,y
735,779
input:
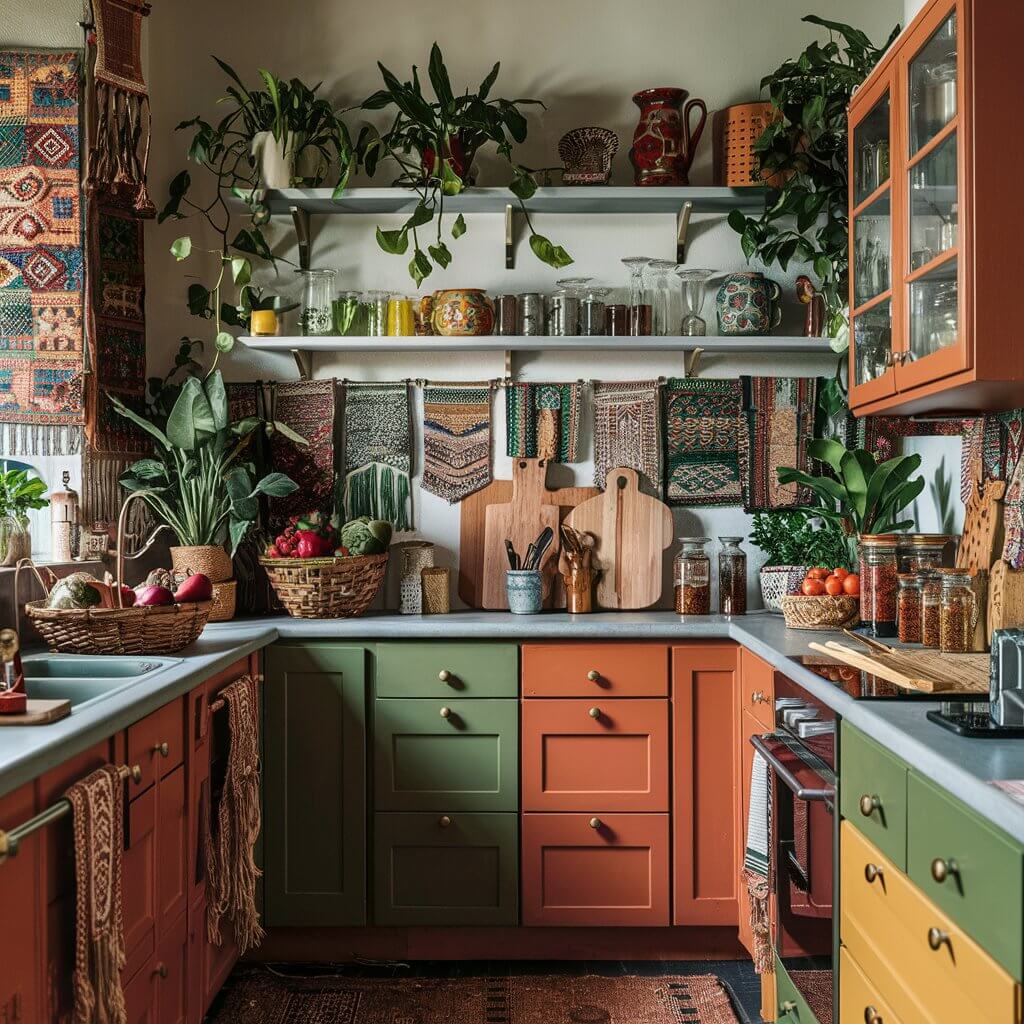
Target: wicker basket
x,y
823,612
223,609
326,588
735,131
209,559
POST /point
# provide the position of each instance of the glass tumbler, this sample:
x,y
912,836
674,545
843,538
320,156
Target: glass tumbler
x,y
657,273
401,322
639,304
376,306
317,318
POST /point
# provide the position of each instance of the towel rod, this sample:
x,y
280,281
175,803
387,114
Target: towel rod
x,y
9,840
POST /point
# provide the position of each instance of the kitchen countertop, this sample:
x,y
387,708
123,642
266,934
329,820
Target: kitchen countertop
x,y
962,766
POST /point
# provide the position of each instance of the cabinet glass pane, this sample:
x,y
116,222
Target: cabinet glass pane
x,y
872,236
871,151
934,312
933,203
933,85
872,340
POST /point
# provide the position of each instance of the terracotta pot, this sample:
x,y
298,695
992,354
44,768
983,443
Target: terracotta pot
x,y
663,144
462,313
210,559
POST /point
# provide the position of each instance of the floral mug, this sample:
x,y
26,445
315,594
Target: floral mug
x,y
748,304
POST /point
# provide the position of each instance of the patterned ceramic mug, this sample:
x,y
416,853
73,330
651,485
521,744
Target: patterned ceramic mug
x,y
462,312
748,303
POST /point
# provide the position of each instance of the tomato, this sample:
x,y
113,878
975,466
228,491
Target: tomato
x,y
851,585
833,586
818,573
840,572
813,588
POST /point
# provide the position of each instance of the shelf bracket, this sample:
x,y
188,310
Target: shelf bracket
x,y
693,362
682,227
300,217
304,363
508,364
510,237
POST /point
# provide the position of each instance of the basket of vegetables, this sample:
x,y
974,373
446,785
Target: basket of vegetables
x,y
829,599
321,572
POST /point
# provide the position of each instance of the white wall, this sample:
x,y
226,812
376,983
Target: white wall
x,y
585,60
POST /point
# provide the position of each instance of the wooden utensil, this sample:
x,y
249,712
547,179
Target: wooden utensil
x,y
631,530
519,521
39,712
1005,597
982,540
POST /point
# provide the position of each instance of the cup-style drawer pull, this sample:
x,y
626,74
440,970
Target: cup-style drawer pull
x,y
594,713
869,803
872,872
942,869
446,712
163,749
937,938
444,675
595,822
444,821
872,1016
593,675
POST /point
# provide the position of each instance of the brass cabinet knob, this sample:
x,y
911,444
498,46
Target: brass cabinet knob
x,y
594,713
446,712
942,869
595,822
163,749
136,773
787,1006
869,804
444,675
160,971
758,697
444,821
936,938
593,675
872,1016
871,872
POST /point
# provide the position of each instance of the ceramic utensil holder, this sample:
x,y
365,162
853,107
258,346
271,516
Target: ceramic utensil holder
x,y
435,591
415,558
525,589
579,591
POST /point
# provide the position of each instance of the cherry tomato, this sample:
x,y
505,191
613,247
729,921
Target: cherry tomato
x,y
813,588
840,572
851,585
833,586
819,573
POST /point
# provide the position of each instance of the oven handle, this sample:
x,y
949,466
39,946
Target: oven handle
x,y
825,794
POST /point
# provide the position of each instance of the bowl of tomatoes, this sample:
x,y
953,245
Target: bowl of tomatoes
x,y
828,599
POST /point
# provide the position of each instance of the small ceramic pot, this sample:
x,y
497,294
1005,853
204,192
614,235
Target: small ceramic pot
x,y
276,158
462,313
779,581
525,589
748,304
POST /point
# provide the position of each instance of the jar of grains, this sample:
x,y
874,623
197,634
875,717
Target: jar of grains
x,y
692,574
956,612
878,571
931,591
908,608
732,577
925,550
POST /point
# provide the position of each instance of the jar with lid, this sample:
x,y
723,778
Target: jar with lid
x,y
956,612
692,574
317,302
732,577
931,592
908,608
920,551
878,571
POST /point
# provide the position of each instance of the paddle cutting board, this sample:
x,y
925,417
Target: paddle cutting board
x,y
926,671
1005,597
982,540
39,712
632,531
520,520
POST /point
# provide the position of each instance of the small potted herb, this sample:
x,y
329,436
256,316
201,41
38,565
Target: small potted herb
x,y
18,494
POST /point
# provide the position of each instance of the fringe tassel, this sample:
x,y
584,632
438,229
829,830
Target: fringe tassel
x,y
102,494
757,892
24,440
380,492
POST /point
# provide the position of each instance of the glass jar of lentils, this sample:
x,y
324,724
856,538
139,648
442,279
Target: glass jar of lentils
x,y
908,608
692,573
920,551
956,612
931,592
878,585
732,577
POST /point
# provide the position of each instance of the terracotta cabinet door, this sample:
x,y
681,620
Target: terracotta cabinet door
x,y
172,862
171,971
705,710
138,868
581,869
595,670
605,755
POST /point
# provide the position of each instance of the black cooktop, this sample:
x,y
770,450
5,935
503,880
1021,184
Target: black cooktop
x,y
865,686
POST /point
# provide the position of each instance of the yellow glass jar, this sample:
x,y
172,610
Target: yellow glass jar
x,y
401,322
263,323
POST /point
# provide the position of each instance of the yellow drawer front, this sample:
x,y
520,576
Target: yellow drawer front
x,y
889,928
858,999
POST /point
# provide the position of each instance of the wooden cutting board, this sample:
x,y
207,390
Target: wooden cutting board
x,y
472,522
39,712
520,520
632,531
1005,597
982,540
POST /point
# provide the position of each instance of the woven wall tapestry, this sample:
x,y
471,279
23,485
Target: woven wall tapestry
x,y
41,349
702,440
543,421
997,441
1013,518
378,453
626,430
779,415
456,440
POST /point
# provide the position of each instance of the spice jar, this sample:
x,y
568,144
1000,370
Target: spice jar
x,y
931,591
956,612
878,570
692,574
732,577
919,551
908,608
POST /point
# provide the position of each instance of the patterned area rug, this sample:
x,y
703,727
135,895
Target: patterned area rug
x,y
258,998
816,988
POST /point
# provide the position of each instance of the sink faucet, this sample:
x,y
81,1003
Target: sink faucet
x,y
12,697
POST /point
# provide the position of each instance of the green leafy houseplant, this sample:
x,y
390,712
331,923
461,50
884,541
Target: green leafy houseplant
x,y
434,143
791,537
200,482
19,493
806,218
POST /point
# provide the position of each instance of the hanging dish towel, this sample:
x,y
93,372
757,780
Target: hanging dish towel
x,y
97,807
757,862
702,441
543,421
232,833
378,453
456,440
626,430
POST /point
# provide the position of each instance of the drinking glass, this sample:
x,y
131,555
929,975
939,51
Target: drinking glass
x,y
401,323
657,273
639,307
694,282
565,306
592,312
377,314
317,318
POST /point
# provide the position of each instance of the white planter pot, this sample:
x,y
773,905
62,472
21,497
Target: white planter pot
x,y
779,581
276,159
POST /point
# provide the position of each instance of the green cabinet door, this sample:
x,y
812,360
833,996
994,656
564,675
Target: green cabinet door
x,y
447,670
314,784
444,756
445,869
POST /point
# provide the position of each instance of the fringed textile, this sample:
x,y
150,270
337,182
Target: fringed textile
x,y
757,862
1013,518
543,421
626,430
456,440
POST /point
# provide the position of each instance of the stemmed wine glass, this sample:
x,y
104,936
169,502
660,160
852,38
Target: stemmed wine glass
x,y
694,284
639,308
657,272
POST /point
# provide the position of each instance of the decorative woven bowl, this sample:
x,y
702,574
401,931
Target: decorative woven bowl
x,y
777,581
823,612
326,588
224,601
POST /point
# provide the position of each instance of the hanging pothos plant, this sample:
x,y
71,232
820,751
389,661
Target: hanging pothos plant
x,y
434,143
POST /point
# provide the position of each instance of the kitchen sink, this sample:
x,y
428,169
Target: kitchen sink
x,y
84,679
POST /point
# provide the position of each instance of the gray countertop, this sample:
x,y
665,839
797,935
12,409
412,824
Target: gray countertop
x,y
962,766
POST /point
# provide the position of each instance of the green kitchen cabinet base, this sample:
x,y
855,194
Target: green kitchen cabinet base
x,y
466,760
446,671
314,784
985,894
790,1005
439,870
866,769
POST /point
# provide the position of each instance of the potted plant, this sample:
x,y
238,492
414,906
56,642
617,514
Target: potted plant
x,y
434,143
200,480
18,494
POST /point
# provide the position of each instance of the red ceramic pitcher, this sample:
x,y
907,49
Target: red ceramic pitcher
x,y
663,143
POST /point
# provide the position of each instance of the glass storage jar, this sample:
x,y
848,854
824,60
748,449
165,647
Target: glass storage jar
x,y
878,571
692,575
931,592
317,302
908,608
956,612
926,550
732,577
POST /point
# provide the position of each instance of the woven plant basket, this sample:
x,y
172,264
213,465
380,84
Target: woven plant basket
x,y
823,612
326,588
210,559
223,609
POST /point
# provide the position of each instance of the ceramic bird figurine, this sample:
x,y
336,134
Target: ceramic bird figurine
x,y
810,297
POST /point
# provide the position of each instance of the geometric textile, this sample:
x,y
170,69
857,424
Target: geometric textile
x,y
456,439
543,421
626,430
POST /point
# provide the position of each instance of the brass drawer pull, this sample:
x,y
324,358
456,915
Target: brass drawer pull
x,y
444,821
136,773
872,872
937,938
594,713
163,749
869,804
758,697
444,675
872,1016
160,971
595,822
446,712
942,869
593,675
787,1006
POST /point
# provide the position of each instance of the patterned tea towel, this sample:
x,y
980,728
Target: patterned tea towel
x,y
757,861
543,421
702,439
41,337
626,430
378,453
456,439
779,419
97,808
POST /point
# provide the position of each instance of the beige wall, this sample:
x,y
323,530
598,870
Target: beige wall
x,y
47,24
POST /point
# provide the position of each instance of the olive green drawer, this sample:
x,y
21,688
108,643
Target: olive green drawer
x,y
873,794
447,670
454,755
790,1005
981,871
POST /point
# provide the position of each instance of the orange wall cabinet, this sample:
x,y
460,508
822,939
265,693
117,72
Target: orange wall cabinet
x,y
934,196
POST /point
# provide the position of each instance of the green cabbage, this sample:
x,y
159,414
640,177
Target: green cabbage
x,y
74,591
366,536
